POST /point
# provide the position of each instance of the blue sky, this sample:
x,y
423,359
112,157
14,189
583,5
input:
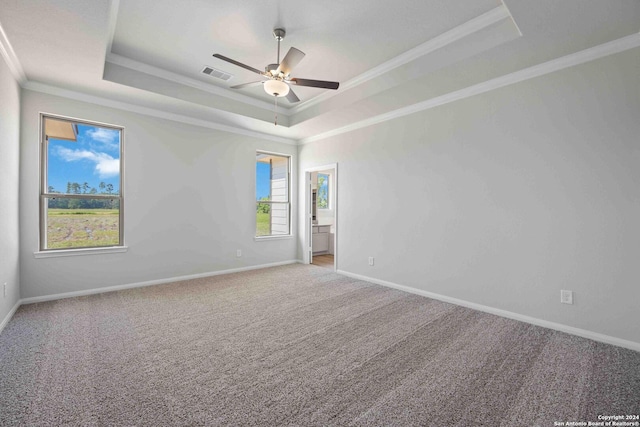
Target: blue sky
x,y
263,183
93,158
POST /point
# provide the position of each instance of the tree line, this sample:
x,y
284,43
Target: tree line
x,y
76,188
263,207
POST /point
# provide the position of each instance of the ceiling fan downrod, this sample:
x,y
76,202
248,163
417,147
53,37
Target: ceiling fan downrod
x,y
279,34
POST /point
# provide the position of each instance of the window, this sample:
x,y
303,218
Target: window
x,y
81,184
323,191
273,210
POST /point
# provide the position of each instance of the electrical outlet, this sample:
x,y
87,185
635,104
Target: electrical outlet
x,y
370,260
239,253
566,297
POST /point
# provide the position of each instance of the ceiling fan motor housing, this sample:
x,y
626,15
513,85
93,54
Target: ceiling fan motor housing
x,y
279,34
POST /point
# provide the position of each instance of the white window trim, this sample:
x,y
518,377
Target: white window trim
x,y
55,253
281,237
43,194
289,202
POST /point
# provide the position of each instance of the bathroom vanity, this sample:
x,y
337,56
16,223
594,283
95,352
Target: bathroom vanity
x,y
320,238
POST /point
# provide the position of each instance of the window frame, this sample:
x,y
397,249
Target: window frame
x,y
289,158
43,251
328,190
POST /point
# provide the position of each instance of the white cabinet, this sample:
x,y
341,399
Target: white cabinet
x,y
320,238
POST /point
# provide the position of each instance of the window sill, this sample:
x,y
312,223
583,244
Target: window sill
x,y
55,253
262,238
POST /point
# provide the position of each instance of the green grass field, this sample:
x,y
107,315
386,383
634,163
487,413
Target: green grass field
x,y
82,228
262,224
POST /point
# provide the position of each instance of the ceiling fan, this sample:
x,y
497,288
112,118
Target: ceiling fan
x,y
277,79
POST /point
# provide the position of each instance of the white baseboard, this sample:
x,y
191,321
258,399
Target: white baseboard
x,y
502,313
9,315
149,283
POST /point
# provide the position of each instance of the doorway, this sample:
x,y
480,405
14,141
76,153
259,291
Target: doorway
x,y
321,216
324,261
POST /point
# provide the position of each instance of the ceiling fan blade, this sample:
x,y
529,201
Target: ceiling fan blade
x,y
290,60
292,97
243,85
315,83
239,64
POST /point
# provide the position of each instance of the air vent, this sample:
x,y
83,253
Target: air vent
x,y
218,74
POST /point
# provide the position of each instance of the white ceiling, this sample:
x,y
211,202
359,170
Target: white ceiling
x,y
390,57
342,39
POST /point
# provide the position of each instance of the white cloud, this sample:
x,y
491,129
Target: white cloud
x,y
108,136
105,165
108,168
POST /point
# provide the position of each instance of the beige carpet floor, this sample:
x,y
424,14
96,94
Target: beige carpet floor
x,y
298,346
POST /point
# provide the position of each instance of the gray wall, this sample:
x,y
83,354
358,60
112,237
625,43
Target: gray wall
x,y
9,188
189,203
505,198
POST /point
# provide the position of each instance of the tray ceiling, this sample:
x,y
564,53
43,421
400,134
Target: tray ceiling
x,y
387,58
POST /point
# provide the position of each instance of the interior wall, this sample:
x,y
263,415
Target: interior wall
x,y
505,198
189,202
9,189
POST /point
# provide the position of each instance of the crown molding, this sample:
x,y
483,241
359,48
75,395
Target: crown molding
x,y
616,46
470,27
141,67
511,16
114,6
9,55
125,106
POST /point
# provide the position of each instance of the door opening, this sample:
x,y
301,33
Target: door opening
x,y
321,216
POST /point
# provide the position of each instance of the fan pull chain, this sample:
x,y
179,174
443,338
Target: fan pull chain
x,y
275,110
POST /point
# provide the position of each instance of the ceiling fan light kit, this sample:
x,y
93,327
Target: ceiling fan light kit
x,y
276,88
278,79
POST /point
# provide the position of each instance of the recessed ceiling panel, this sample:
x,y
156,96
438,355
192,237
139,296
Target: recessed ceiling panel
x,y
341,39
